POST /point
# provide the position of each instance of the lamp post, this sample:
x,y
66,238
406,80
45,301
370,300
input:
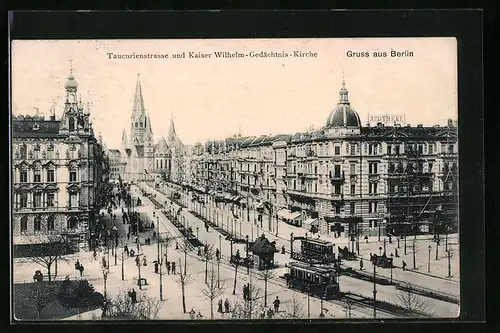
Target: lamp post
x,y
392,265
158,237
218,275
105,272
220,246
160,263
138,261
123,268
385,245
374,291
429,262
380,250
291,245
197,231
248,264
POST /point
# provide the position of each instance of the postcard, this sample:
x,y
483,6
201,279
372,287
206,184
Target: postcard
x,y
225,179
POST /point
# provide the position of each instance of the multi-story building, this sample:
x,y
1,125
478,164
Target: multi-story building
x,y
59,173
341,173
145,160
117,165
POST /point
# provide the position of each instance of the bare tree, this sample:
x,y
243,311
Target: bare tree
x,y
41,296
184,278
449,254
208,255
167,240
348,306
265,276
184,249
212,289
415,249
249,308
294,308
47,253
409,300
121,307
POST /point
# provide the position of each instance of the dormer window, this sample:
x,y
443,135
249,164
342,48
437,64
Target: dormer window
x,y
36,127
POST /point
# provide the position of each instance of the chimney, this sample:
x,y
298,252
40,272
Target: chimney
x,y
450,123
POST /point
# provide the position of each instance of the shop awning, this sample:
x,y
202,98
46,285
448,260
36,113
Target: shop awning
x,y
312,222
288,215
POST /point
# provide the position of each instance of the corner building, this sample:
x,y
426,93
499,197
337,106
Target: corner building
x,y
383,177
59,173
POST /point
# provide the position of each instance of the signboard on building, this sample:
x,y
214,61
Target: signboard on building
x,y
386,119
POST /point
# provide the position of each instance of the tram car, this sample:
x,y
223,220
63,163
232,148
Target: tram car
x,y
316,251
318,281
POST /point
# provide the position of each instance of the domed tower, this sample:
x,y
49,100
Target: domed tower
x,y
343,119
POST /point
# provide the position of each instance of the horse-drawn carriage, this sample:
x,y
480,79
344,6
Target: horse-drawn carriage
x,y
382,261
345,254
319,281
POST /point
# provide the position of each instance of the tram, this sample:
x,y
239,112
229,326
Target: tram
x,y
316,251
319,281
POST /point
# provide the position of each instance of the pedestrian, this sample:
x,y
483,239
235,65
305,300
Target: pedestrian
x,y
173,268
94,254
104,262
217,254
245,292
125,249
176,246
128,235
263,313
77,264
361,264
227,306
219,306
168,267
156,267
366,239
404,265
81,268
396,251
270,313
276,304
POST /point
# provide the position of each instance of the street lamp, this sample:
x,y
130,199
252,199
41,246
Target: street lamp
x,y
197,230
380,250
374,290
392,264
220,246
158,236
429,262
385,245
105,272
291,245
248,264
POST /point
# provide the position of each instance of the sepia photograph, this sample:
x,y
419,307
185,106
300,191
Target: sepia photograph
x,y
234,179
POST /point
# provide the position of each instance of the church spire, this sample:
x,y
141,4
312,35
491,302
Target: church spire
x,y
138,108
171,131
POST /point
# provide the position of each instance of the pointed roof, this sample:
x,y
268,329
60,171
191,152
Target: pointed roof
x,y
124,135
171,131
138,107
162,146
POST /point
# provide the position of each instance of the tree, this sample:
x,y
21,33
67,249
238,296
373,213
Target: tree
x,y
41,296
415,250
212,290
449,254
348,306
265,276
183,279
47,253
184,249
410,301
208,255
294,308
122,308
249,308
167,240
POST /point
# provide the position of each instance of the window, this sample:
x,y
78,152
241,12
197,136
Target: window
x,y
337,189
294,185
429,167
136,124
37,223
450,149
23,202
420,149
23,176
37,177
353,189
24,223
72,222
337,209
337,150
50,176
371,149
72,175
372,188
337,171
316,187
391,167
353,168
71,124
353,149
24,152
392,188
37,200
73,200
389,148
51,222
315,169
50,199
353,208
372,208
140,124
372,168
397,151
431,149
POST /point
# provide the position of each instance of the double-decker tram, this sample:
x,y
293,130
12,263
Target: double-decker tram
x,y
315,251
319,281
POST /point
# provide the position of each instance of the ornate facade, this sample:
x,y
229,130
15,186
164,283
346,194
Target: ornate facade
x,y
145,160
343,172
59,173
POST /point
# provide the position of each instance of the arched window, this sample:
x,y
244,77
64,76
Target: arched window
x,y
72,172
141,124
136,124
38,223
72,222
24,223
71,124
37,172
51,222
161,164
24,152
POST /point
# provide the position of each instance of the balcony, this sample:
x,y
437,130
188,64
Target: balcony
x,y
312,176
374,177
336,178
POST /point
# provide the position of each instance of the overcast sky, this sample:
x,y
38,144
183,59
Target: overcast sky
x,y
212,98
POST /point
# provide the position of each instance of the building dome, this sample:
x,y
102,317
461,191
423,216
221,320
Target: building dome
x,y
343,115
71,83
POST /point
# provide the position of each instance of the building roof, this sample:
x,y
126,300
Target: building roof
x,y
27,127
263,245
343,115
